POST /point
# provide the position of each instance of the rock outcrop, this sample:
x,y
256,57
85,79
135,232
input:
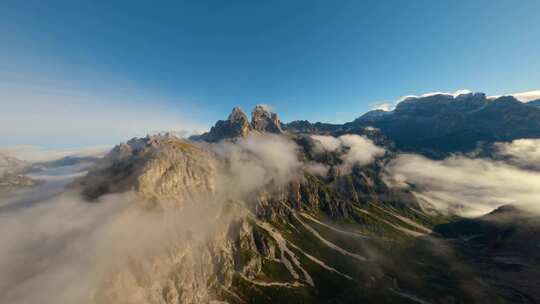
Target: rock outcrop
x,y
237,125
160,168
12,175
12,165
263,120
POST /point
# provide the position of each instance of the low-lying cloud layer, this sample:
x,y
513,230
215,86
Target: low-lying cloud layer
x,y
38,154
522,152
256,160
352,149
471,187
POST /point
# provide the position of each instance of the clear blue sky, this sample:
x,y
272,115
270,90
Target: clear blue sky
x,y
67,63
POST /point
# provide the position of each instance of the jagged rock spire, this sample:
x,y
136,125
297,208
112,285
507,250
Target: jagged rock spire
x,y
237,115
238,125
263,120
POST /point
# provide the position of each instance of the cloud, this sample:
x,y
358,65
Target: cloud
x,y
54,252
454,94
466,186
522,96
326,143
390,106
522,152
257,160
268,108
39,154
384,106
83,250
362,150
352,149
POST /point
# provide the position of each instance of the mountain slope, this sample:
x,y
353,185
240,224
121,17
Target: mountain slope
x,y
314,238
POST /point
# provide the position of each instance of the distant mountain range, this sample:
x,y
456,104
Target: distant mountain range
x,y
441,123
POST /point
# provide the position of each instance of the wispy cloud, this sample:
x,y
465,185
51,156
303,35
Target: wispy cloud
x,y
522,152
351,148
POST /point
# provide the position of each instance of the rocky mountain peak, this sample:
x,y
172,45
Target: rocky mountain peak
x,y
237,115
238,124
263,120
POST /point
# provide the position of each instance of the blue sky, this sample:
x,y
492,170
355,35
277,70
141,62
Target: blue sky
x,y
81,73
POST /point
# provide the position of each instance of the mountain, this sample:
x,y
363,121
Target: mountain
x,y
11,165
262,229
535,103
161,168
440,124
238,125
263,120
498,246
69,160
12,175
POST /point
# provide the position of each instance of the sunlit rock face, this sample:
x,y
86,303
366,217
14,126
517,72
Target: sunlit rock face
x,y
237,125
263,120
160,168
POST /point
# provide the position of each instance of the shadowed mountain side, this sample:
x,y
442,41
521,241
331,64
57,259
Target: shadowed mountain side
x,y
440,124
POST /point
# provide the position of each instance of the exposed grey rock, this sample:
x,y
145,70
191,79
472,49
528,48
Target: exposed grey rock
x,y
263,120
236,125
161,168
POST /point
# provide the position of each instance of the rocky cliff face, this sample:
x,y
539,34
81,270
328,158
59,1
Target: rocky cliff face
x,y
272,245
237,125
263,120
12,175
161,168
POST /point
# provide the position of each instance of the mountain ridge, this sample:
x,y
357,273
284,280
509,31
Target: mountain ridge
x,y
440,124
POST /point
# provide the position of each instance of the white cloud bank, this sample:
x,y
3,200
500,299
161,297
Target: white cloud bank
x,y
257,160
38,154
472,187
353,149
522,152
